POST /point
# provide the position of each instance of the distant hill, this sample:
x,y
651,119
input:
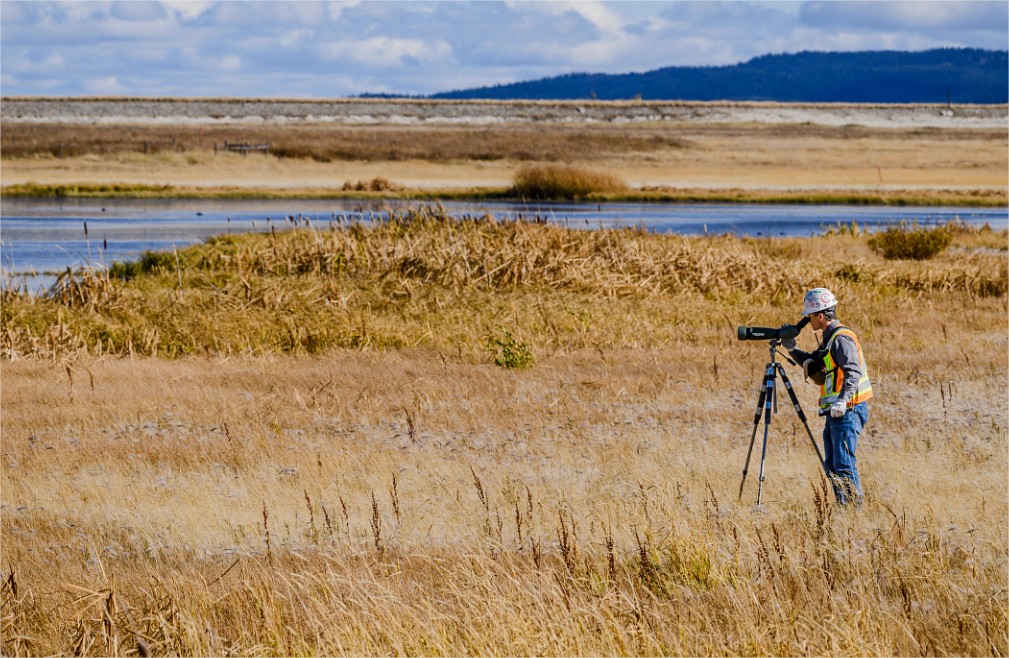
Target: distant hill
x,y
957,75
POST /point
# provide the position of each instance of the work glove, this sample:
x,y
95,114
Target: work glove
x,y
838,408
788,343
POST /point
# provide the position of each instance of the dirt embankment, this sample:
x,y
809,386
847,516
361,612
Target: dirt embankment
x,y
374,111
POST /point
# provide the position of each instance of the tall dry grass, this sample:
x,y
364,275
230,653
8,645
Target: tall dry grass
x,y
392,499
362,503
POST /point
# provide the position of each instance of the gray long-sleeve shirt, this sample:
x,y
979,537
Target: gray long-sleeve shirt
x,y
845,353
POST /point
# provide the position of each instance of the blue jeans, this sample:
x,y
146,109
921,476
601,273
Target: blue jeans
x,y
840,437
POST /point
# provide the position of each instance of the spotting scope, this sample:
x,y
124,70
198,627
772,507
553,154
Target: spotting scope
x,y
783,332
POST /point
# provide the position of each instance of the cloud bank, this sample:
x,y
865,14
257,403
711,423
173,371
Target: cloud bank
x,y
336,49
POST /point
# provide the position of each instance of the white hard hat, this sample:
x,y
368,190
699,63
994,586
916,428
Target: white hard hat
x,y
816,300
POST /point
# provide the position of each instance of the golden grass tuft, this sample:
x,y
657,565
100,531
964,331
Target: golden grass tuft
x,y
563,182
377,184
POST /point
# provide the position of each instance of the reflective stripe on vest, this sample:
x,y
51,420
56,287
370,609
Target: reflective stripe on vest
x,y
830,390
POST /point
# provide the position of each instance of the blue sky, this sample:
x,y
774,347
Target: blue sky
x,y
334,49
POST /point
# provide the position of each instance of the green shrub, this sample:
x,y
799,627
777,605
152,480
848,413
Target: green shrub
x,y
849,272
150,262
562,182
510,352
910,242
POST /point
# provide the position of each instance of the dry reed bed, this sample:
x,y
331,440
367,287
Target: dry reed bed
x,y
421,501
422,278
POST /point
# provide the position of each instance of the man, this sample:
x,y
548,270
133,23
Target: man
x,y
838,365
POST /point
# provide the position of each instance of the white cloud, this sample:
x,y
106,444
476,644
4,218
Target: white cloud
x,y
75,12
850,40
334,9
25,63
607,21
386,52
187,9
229,63
108,85
292,38
137,11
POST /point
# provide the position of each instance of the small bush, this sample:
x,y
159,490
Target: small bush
x,y
910,242
849,272
561,182
377,184
150,262
510,352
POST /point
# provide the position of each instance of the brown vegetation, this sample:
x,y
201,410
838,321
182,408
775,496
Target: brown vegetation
x,y
681,161
402,494
325,143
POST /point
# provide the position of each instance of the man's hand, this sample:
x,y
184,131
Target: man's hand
x,y
788,343
838,408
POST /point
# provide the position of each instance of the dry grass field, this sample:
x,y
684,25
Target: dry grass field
x,y
300,444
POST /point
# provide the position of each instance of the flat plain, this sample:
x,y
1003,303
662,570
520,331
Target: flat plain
x,y
672,151
445,438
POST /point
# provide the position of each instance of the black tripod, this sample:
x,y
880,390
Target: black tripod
x,y
768,397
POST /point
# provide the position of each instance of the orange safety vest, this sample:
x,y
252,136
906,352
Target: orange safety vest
x,y
833,380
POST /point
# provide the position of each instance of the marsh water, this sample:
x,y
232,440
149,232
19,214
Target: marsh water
x,y
40,238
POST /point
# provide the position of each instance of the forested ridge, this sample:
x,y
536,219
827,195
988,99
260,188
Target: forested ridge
x,y
954,75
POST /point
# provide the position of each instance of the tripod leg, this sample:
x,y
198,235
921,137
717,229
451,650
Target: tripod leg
x,y
756,422
769,402
802,416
